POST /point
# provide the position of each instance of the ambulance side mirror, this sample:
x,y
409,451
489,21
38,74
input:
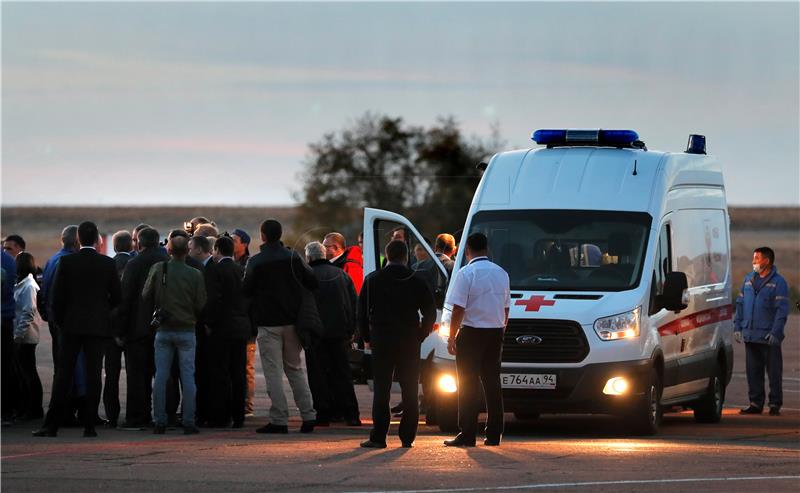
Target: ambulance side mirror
x,y
675,293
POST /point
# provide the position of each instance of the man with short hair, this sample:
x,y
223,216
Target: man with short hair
x,y
328,363
14,245
761,311
85,291
480,296
275,280
445,247
228,328
241,254
123,246
388,319
135,238
10,389
134,330
349,259
200,251
241,246
179,293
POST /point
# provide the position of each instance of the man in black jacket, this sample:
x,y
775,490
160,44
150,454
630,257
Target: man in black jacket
x,y
227,329
200,251
388,318
274,281
328,364
85,291
135,315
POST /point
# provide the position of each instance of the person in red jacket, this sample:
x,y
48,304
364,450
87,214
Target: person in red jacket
x,y
350,259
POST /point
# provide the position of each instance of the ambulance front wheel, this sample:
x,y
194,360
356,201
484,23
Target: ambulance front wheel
x,y
646,416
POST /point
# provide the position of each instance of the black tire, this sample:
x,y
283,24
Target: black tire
x,y
447,412
526,416
709,408
646,417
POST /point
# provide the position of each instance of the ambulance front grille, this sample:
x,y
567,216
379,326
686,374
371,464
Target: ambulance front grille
x,y
555,341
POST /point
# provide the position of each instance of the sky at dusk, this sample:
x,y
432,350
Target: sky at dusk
x,y
195,103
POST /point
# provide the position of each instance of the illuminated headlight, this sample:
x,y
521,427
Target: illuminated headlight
x,y
616,386
447,384
622,326
444,325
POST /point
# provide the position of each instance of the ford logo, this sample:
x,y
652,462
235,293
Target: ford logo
x,y
529,340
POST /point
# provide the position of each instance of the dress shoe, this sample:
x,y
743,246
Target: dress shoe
x,y
353,422
491,443
460,441
407,444
322,422
159,429
371,444
111,423
238,424
307,426
190,430
89,432
271,428
774,411
397,409
45,432
751,409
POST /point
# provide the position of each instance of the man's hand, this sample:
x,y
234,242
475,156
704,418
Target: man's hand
x,y
738,336
772,340
451,345
119,341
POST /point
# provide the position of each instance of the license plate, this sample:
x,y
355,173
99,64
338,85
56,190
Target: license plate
x,y
528,381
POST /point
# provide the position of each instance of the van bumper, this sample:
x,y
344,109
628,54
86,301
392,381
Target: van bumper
x,y
578,390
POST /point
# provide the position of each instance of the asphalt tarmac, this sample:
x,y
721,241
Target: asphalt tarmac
x,y
554,453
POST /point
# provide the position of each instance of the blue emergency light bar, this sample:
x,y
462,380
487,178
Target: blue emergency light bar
x,y
593,137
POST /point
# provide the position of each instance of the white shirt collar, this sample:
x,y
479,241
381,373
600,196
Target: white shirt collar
x,y
205,262
478,258
88,247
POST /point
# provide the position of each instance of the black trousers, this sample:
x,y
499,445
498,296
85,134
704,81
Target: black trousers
x,y
331,380
94,348
402,361
10,387
760,357
113,367
478,354
226,363
31,388
201,376
139,369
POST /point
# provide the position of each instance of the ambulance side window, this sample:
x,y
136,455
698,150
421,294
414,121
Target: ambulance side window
x,y
663,264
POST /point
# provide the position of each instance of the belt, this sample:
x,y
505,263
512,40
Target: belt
x,y
481,328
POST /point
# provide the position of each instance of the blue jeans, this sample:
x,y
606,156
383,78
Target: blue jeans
x,y
166,343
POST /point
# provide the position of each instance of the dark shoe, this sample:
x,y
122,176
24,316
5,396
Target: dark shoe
x,y
190,430
322,422
159,429
353,422
751,409
98,421
407,444
397,409
491,443
460,441
774,411
307,426
398,414
134,426
238,424
371,444
271,428
111,423
45,432
89,433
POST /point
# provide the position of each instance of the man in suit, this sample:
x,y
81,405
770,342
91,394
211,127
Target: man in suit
x,y
329,372
123,246
134,318
200,251
85,291
388,318
227,328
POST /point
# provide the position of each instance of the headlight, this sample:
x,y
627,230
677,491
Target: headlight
x,y
622,326
444,325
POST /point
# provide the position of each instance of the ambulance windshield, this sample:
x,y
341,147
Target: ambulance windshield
x,y
567,250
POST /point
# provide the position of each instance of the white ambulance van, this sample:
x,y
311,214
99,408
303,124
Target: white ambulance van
x,y
619,262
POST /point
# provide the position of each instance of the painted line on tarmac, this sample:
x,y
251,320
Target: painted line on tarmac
x,y
590,483
739,406
744,375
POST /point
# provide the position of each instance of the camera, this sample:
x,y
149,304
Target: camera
x,y
159,317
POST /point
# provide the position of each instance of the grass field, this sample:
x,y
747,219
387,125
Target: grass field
x,y
778,228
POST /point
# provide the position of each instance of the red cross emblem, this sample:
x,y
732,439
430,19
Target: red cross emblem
x,y
536,302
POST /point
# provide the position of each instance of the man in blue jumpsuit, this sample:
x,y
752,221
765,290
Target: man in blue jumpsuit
x,y
761,310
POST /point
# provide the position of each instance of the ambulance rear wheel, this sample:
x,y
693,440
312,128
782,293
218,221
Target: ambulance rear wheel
x,y
709,408
646,417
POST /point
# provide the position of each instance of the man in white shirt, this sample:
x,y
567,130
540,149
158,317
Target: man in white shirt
x,y
480,297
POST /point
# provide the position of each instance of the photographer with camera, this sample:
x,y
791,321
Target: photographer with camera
x,y
179,295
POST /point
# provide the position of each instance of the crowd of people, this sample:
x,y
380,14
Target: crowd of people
x,y
187,315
